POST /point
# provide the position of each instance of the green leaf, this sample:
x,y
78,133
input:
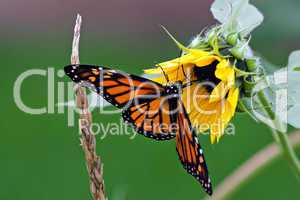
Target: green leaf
x,y
293,77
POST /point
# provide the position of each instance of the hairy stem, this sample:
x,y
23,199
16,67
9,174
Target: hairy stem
x,y
280,137
251,168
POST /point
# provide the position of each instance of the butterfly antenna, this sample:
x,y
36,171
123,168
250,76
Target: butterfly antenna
x,y
183,71
177,72
165,75
189,79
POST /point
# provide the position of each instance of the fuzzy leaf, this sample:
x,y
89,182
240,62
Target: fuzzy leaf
x,y
293,116
237,15
293,80
294,61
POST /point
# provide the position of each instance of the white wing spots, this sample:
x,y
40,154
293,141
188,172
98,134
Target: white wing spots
x,y
196,139
200,151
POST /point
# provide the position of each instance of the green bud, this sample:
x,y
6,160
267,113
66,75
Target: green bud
x,y
232,38
238,52
211,37
248,85
251,64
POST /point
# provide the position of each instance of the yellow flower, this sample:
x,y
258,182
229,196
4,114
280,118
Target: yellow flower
x,y
212,97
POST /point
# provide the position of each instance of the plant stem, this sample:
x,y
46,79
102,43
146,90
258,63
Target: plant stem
x,y
88,140
280,137
289,152
251,168
265,104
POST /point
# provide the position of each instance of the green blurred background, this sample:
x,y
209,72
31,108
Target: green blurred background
x,y
41,157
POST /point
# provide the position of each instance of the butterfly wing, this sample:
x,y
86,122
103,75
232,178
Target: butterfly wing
x,y
116,87
190,152
154,118
142,100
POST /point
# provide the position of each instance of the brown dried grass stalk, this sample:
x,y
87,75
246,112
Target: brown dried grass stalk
x,y
87,138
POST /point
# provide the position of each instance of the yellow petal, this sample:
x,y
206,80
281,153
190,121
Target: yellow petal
x,y
187,58
217,130
193,96
152,71
206,115
218,137
218,92
212,138
205,60
161,80
225,72
159,70
223,64
233,99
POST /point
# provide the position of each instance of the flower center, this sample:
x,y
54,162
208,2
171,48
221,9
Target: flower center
x,y
206,75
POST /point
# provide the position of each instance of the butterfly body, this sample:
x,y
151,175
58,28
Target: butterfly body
x,y
153,110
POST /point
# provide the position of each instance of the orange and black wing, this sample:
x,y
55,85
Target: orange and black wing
x,y
142,100
153,119
116,87
190,152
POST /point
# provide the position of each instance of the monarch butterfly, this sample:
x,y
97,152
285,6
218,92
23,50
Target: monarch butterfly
x,y
146,105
